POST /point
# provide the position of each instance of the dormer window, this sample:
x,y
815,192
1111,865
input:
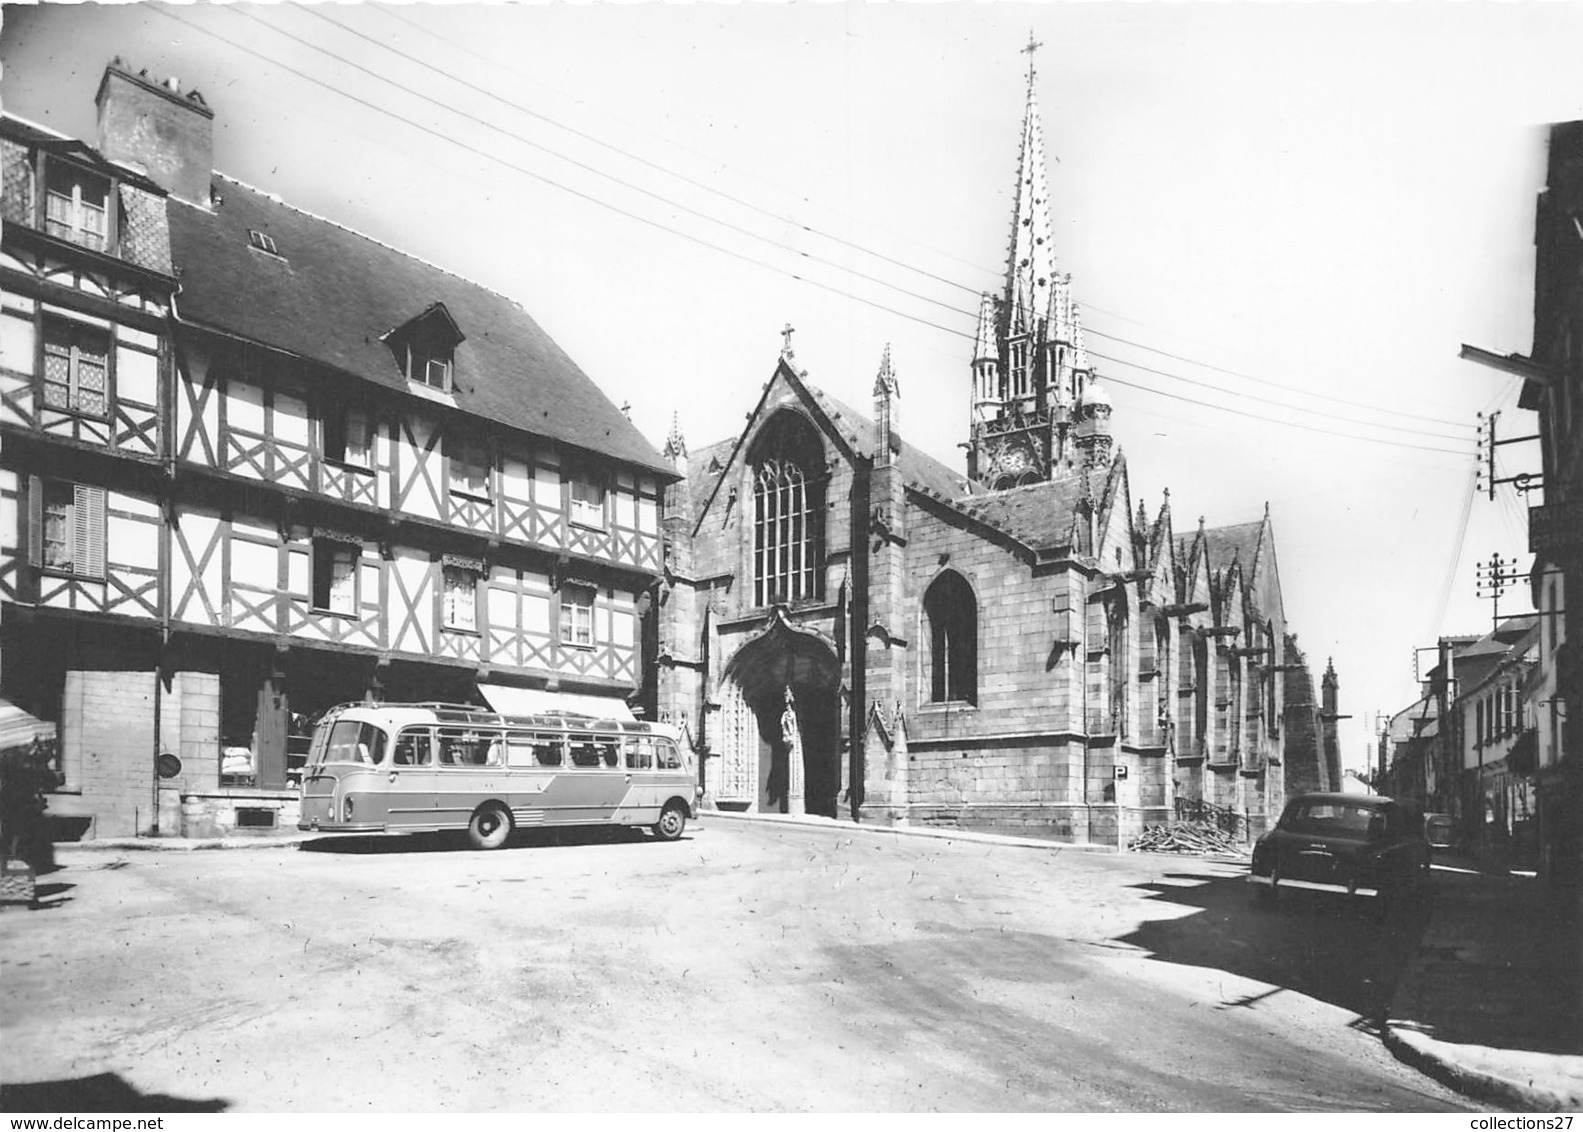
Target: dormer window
x,y
429,367
77,205
262,241
425,348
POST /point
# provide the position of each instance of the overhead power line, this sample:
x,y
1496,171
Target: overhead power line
x,y
395,14
534,175
782,218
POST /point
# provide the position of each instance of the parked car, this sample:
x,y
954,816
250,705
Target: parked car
x,y
1354,845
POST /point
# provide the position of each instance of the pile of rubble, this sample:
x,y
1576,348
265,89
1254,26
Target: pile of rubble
x,y
1195,837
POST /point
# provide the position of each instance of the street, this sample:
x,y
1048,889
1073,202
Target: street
x,y
751,966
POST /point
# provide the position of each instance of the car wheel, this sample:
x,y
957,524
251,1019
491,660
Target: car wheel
x,y
673,819
489,827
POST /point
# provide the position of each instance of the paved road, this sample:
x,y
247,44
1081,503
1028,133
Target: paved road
x,y
750,966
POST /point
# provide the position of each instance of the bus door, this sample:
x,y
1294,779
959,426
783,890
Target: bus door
x,y
645,795
594,780
535,759
412,789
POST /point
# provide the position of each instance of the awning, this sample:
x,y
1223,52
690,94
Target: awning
x,y
536,701
19,729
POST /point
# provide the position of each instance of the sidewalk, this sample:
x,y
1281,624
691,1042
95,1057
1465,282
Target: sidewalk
x,y
1490,1003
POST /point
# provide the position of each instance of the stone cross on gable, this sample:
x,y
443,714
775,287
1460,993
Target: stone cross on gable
x,y
786,349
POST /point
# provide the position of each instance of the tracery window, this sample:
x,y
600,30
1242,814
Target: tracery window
x,y
788,513
951,611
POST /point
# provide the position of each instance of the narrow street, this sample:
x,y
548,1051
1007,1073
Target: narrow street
x,y
750,966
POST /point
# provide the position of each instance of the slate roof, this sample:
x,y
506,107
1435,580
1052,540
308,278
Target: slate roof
x,y
918,468
332,294
1038,515
1239,542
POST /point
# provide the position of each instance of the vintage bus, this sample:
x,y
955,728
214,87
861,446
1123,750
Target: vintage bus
x,y
422,767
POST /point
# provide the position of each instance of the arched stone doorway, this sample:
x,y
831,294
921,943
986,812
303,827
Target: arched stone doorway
x,y
780,735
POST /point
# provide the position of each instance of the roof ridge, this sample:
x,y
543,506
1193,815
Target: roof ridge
x,y
40,126
284,203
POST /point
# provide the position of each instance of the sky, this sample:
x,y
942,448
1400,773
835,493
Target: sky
x,y
1282,221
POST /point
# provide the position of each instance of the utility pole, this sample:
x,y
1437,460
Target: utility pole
x,y
1523,482
1493,578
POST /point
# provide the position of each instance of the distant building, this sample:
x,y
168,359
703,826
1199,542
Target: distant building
x,y
1466,746
256,463
850,626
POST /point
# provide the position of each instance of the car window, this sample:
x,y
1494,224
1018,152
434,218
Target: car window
x,y
1338,819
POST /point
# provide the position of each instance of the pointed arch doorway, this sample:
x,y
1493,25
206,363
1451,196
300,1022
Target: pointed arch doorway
x,y
780,734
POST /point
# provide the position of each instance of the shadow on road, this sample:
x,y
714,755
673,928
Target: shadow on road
x,y
522,839
103,1092
1333,950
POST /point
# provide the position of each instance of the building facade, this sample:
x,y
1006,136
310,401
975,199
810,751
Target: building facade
x,y
1554,391
256,464
849,626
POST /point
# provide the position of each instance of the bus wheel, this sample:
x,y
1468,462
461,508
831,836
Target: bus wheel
x,y
673,819
489,827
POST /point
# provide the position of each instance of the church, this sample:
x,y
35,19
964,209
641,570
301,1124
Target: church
x,y
850,627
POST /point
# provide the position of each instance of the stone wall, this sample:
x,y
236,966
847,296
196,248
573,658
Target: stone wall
x,y
107,740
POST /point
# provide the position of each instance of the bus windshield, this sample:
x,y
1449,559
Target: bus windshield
x,y
352,742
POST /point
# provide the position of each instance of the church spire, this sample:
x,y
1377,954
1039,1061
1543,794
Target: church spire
x,y
1030,366
1030,267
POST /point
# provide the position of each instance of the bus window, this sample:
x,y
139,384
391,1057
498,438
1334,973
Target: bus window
x,y
609,751
468,747
355,743
640,754
584,752
537,749
414,748
666,755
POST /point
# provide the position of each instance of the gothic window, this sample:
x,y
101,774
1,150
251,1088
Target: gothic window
x,y
788,512
951,612
76,367
1200,672
1020,376
1117,630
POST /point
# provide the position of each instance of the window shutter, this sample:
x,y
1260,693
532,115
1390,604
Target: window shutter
x,y
35,522
88,531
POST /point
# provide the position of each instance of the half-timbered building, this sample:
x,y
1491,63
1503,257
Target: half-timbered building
x,y
856,628
317,470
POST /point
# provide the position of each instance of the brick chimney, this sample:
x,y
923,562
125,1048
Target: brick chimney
x,y
154,126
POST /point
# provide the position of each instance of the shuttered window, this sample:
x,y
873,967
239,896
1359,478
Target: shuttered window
x,y
66,527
